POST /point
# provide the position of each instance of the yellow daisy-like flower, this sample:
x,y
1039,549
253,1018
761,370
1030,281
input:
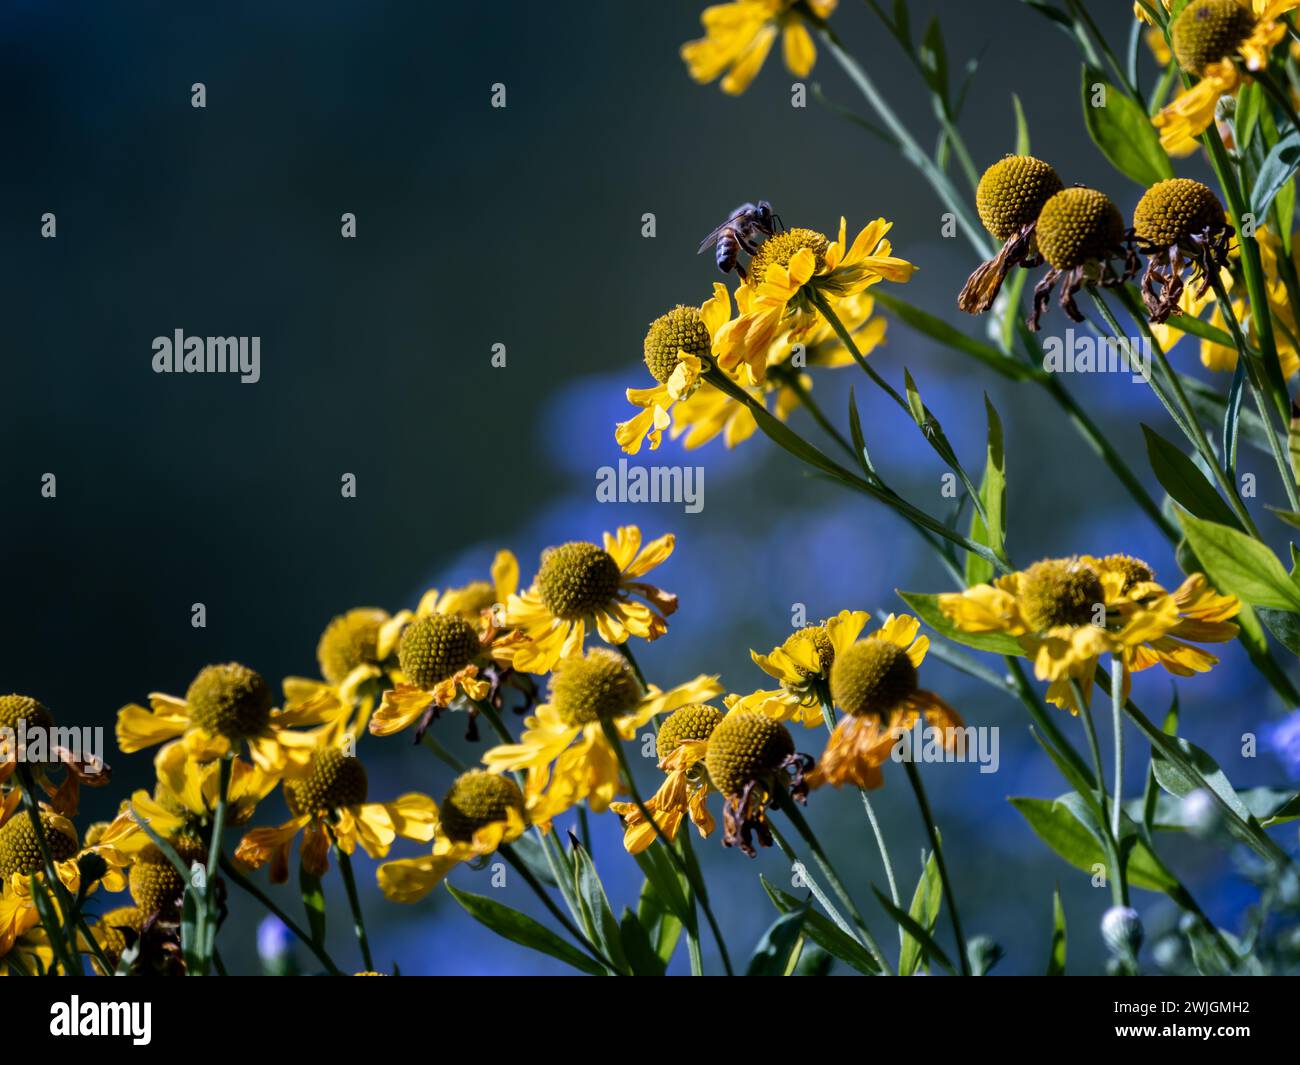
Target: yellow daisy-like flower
x,y
226,708
1209,37
578,586
738,37
24,947
442,653
874,682
1067,612
786,271
357,651
682,745
329,808
803,666
480,812
564,749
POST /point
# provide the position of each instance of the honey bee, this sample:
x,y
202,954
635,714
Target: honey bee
x,y
745,230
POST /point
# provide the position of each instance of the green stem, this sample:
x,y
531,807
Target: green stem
x,y
914,778
238,878
1116,875
62,941
1117,723
354,902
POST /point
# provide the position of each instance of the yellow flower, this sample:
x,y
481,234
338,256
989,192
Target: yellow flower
x,y
442,650
1209,37
24,947
27,734
874,682
803,666
579,585
357,651
329,808
682,745
225,708
480,812
785,273
739,35
1067,612
564,750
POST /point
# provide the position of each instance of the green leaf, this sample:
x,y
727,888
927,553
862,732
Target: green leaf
x,y
1056,957
522,929
773,954
313,901
950,336
1058,825
931,949
934,60
926,607
823,932
1123,132
663,927
1172,777
926,901
993,500
1275,172
1022,127
1183,480
602,926
1270,806
1249,102
1240,565
642,956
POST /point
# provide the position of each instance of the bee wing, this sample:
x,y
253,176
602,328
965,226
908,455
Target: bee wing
x,y
712,238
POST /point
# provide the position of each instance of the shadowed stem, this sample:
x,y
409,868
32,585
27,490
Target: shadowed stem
x,y
914,778
236,877
354,902
1117,723
65,946
1117,875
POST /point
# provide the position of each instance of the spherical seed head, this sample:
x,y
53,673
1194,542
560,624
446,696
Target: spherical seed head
x,y
678,330
576,579
349,641
600,685
23,710
872,677
155,884
230,700
1207,31
1012,193
1059,591
477,799
20,849
1172,212
816,635
695,721
744,748
435,647
780,248
335,780
1078,226
111,925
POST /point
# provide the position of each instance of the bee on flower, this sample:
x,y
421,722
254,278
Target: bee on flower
x,y
564,749
330,808
453,645
1067,612
682,745
1213,40
226,708
874,682
480,812
739,35
580,586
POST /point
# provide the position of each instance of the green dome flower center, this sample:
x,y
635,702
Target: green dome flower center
x,y
1012,192
1079,226
695,721
349,641
1207,31
335,780
679,330
1059,592
780,248
23,710
873,676
155,884
1174,211
599,686
577,579
435,647
20,850
821,644
477,799
745,748
230,700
